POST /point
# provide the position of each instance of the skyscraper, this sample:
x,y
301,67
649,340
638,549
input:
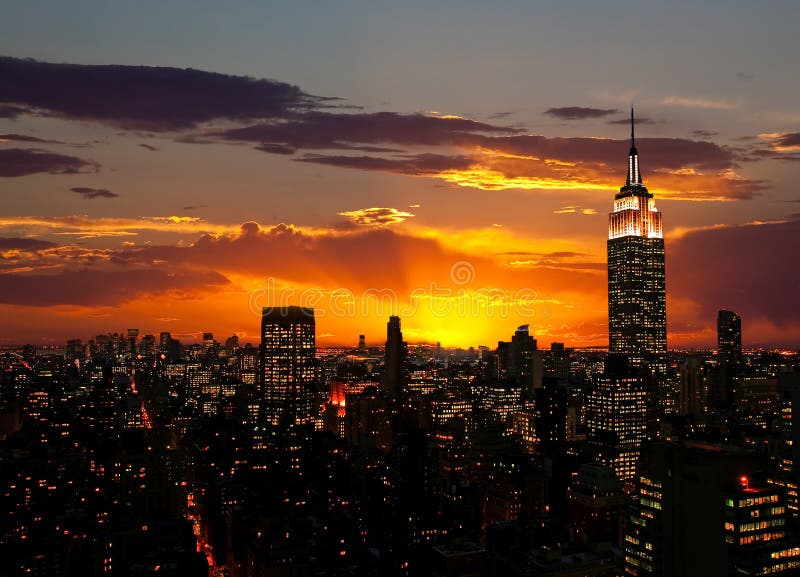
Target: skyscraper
x,y
729,338
616,419
286,364
637,317
395,359
729,358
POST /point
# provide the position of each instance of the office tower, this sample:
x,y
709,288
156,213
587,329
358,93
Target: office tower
x,y
616,418
690,400
524,362
133,342
637,317
286,364
702,510
395,360
550,404
362,345
163,342
147,346
729,360
729,338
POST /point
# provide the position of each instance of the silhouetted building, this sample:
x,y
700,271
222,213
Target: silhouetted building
x,y
286,364
729,338
690,399
524,367
703,510
595,504
637,317
394,360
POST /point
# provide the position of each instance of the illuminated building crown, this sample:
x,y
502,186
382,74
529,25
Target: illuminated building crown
x,y
635,212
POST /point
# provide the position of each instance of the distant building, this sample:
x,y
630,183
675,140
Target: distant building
x,y
286,364
729,338
637,317
395,355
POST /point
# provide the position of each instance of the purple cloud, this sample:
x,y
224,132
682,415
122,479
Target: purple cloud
x,y
579,112
143,97
90,193
22,162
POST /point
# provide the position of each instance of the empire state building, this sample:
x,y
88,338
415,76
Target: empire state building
x,y
637,311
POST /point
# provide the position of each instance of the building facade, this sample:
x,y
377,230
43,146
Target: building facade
x,y
286,365
637,312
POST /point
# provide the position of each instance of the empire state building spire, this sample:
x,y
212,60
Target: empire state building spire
x,y
634,175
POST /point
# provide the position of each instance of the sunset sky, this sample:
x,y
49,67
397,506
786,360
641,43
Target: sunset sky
x,y
174,166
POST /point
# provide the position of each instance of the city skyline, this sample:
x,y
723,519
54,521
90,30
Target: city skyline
x,y
145,182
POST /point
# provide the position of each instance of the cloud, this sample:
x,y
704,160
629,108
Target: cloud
x,y
579,112
717,267
11,112
149,147
575,210
24,244
15,162
705,134
417,165
195,206
143,97
90,193
690,102
783,141
103,287
626,121
376,216
24,138
322,130
83,226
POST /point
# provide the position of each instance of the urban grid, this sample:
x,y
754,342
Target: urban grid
x,y
140,455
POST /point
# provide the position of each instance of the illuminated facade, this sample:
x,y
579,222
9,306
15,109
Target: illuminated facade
x,y
286,364
704,510
637,317
616,418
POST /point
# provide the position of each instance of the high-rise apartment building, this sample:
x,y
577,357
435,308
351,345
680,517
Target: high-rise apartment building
x,y
286,365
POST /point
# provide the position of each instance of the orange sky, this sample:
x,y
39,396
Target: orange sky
x,y
234,193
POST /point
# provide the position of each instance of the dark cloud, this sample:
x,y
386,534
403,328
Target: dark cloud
x,y
25,138
747,268
788,139
704,134
8,111
17,243
579,112
21,162
101,287
90,193
419,164
142,97
148,147
745,76
195,206
627,121
655,153
321,130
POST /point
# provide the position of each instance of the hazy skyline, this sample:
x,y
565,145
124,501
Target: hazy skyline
x,y
390,143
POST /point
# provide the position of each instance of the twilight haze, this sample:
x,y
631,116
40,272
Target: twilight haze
x,y
176,166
